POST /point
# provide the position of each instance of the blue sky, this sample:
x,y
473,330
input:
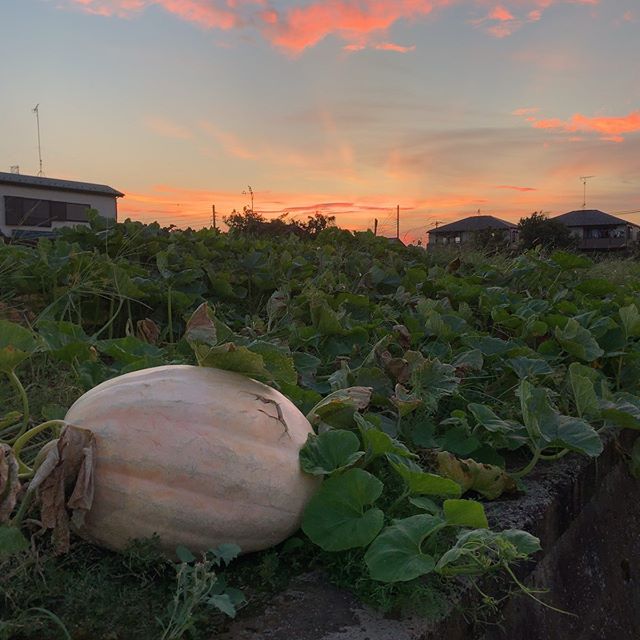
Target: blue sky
x,y
340,106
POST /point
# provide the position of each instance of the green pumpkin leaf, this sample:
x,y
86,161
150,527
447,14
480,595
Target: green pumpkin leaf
x,y
226,552
66,341
567,260
277,361
16,345
623,411
529,367
420,482
378,443
578,341
548,428
488,345
184,555
524,543
230,357
478,551
330,452
11,541
130,350
471,360
336,517
465,513
425,504
583,390
491,422
222,601
630,317
352,399
396,554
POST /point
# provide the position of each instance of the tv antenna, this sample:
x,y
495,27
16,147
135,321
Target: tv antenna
x,y
35,110
584,190
249,193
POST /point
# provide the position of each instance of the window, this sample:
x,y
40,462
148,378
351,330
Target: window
x,y
28,212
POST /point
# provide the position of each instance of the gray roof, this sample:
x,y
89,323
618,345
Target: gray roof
x,y
61,185
590,218
475,223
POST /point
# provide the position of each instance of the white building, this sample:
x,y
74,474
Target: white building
x,y
31,204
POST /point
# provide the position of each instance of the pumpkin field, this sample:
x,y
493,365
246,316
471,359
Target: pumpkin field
x,y
394,392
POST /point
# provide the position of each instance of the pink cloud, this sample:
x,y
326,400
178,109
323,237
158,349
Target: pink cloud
x,y
610,128
501,14
293,29
391,46
354,21
205,13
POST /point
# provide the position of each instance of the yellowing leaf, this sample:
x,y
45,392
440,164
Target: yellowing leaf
x,y
488,480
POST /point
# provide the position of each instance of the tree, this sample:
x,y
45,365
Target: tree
x,y
248,221
253,223
537,229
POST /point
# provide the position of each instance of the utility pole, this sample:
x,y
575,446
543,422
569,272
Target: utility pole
x,y
398,222
35,110
584,192
213,216
375,226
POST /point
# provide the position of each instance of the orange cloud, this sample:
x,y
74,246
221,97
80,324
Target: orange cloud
x,y
609,128
507,186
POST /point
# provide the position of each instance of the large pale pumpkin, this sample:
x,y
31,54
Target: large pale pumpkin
x,y
197,455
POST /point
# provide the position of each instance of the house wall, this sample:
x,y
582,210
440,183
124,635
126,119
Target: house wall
x,y
627,231
104,204
465,237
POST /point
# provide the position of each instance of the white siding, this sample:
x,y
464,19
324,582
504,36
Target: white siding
x,y
104,204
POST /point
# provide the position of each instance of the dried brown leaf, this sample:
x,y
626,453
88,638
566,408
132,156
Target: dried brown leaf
x,y
9,483
201,328
148,331
67,470
403,336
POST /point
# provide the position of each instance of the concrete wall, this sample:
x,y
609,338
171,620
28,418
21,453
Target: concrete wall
x,y
104,204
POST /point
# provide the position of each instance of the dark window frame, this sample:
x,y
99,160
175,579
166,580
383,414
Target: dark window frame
x,y
21,211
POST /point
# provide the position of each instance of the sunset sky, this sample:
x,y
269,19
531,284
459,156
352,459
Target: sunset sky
x,y
346,107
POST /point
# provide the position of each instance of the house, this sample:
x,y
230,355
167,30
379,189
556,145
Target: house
x,y
470,229
595,229
33,205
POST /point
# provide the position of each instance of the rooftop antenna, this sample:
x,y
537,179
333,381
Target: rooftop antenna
x,y
584,191
249,193
35,110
